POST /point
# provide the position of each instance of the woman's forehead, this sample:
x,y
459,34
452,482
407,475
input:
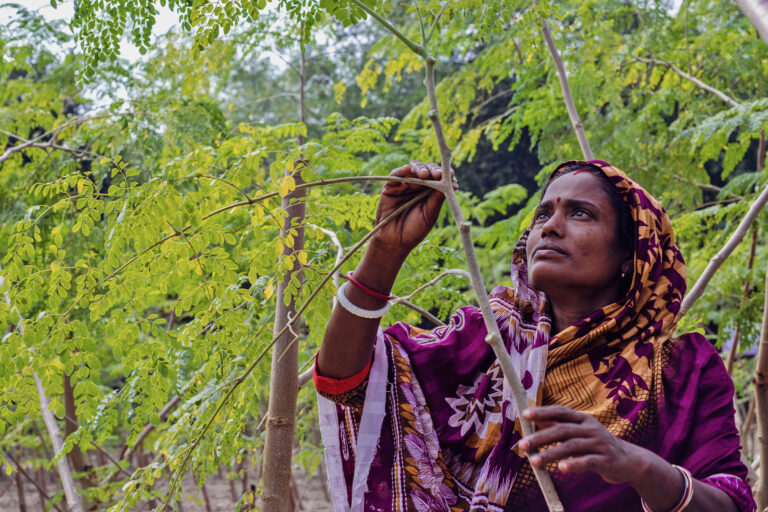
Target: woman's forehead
x,y
576,185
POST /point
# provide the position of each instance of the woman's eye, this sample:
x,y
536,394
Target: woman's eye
x,y
541,216
581,212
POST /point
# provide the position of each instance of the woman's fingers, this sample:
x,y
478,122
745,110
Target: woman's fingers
x,y
554,413
570,448
589,462
557,432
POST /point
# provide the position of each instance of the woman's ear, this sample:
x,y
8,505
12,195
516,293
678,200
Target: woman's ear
x,y
626,267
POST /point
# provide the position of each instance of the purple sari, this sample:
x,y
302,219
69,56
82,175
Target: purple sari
x,y
432,425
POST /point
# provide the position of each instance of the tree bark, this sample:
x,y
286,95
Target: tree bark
x,y
761,405
41,490
278,446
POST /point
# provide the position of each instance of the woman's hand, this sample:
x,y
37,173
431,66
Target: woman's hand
x,y
584,445
405,232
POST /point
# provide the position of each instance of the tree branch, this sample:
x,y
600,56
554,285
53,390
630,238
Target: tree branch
x,y
26,475
732,102
578,127
761,405
717,260
70,491
494,337
415,48
434,23
432,282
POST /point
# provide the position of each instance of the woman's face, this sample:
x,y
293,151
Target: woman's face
x,y
572,247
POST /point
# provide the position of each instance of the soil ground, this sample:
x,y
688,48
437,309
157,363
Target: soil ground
x,y
313,495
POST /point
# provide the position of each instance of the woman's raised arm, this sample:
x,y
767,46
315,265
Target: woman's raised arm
x,y
349,339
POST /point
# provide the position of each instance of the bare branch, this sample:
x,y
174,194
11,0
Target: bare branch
x,y
702,186
578,128
432,282
339,252
423,312
761,405
718,259
26,475
720,94
306,376
494,337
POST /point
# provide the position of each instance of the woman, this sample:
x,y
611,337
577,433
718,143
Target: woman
x,y
628,417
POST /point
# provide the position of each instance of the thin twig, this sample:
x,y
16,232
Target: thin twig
x,y
432,282
34,482
702,186
578,127
415,48
732,102
434,23
423,312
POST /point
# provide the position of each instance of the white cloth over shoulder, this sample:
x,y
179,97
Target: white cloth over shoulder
x,y
367,438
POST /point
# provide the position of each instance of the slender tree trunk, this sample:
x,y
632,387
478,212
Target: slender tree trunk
x,y
206,499
20,492
245,484
761,406
41,489
70,490
278,447
76,455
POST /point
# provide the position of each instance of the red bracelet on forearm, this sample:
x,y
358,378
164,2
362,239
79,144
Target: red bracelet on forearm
x,y
372,293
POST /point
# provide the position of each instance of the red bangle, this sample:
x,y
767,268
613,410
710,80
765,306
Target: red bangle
x,y
372,293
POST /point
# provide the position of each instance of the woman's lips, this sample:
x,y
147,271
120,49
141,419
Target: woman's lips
x,y
548,251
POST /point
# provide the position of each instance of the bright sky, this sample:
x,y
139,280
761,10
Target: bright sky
x,y
66,9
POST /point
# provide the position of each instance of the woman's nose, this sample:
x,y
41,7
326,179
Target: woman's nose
x,y
553,226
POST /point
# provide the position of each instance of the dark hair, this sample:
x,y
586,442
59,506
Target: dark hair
x,y
625,227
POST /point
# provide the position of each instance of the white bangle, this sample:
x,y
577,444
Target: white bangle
x,y
362,313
